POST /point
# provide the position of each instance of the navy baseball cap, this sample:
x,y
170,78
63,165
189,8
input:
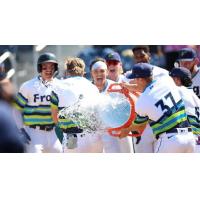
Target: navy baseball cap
x,y
113,56
181,72
187,54
141,70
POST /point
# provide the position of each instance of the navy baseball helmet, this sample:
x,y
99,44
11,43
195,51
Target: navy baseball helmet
x,y
182,73
47,57
141,70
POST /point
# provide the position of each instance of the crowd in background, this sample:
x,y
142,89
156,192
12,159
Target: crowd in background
x,y
161,55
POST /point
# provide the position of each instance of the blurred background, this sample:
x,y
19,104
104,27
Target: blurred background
x,y
23,58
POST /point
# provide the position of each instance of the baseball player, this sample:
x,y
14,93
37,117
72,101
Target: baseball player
x,y
144,143
188,59
111,144
115,73
66,95
33,100
182,77
115,69
161,105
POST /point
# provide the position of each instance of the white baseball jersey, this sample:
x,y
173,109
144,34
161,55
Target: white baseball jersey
x,y
161,104
89,143
196,83
33,100
192,106
158,72
146,142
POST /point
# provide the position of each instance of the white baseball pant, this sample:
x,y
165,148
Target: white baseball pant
x,y
88,143
146,143
43,141
181,142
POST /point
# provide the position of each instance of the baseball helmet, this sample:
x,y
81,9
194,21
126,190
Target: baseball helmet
x,y
47,57
184,74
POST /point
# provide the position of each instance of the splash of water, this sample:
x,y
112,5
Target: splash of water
x,y
99,112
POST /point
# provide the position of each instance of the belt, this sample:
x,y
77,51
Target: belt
x,y
174,130
43,127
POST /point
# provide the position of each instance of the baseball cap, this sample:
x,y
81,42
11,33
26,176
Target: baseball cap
x,y
187,54
141,70
113,56
181,72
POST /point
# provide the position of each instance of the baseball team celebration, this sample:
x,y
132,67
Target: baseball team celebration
x,y
99,99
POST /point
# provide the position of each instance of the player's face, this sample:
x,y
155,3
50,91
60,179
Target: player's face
x,y
99,76
114,69
141,84
48,70
140,56
187,64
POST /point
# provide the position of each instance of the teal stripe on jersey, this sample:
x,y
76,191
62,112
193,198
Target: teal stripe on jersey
x,y
65,125
169,123
39,115
39,109
195,130
21,101
179,106
20,95
54,99
195,124
194,121
38,121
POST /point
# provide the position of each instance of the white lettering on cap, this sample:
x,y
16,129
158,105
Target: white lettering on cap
x,y
99,65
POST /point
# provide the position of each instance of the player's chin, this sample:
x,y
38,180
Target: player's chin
x,y
48,77
49,74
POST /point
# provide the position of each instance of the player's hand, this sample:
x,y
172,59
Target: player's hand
x,y
123,133
25,136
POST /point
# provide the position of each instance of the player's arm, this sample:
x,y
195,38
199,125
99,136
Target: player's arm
x,y
138,126
132,87
20,102
54,107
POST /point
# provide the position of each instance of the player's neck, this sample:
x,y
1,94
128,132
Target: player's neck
x,y
195,70
101,87
45,79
